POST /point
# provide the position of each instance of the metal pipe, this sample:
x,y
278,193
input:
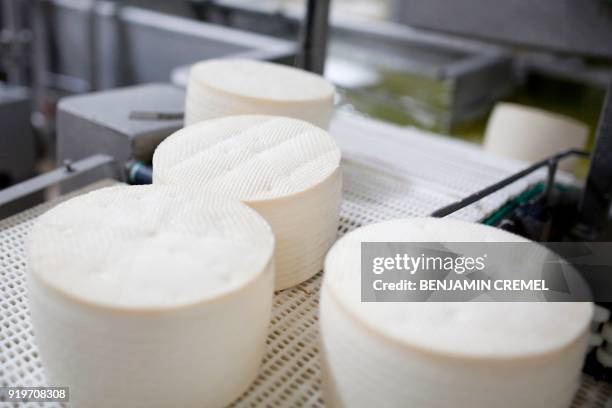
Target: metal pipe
x,y
449,209
139,173
314,36
594,207
39,55
13,34
550,183
10,197
92,39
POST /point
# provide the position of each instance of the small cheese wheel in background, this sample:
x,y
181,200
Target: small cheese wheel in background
x,y
423,354
531,134
151,296
286,169
604,356
226,87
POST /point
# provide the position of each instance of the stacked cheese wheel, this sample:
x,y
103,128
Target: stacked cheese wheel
x,y
286,169
443,354
151,297
226,87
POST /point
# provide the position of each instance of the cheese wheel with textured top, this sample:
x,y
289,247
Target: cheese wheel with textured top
x,y
425,354
225,87
151,296
286,169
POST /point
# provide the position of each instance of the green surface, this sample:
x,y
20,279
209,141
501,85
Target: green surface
x,y
581,102
406,99
410,99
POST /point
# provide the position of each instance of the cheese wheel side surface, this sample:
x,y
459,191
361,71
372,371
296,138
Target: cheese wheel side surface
x,y
361,368
532,134
226,87
206,104
178,318
260,80
489,354
286,169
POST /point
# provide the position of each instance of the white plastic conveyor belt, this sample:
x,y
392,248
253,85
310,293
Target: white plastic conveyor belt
x,y
389,172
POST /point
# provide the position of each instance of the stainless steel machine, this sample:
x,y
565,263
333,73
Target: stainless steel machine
x,y
58,48
64,47
125,123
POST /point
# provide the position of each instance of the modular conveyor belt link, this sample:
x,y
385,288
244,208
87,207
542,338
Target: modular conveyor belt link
x,y
292,347
440,171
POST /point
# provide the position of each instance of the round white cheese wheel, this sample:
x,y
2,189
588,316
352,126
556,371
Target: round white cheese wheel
x,y
286,169
226,87
151,296
531,134
443,354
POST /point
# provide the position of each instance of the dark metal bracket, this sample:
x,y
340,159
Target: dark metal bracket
x,y
550,162
314,36
11,198
594,207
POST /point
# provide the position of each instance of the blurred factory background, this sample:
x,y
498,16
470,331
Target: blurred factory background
x,y
88,89
433,64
